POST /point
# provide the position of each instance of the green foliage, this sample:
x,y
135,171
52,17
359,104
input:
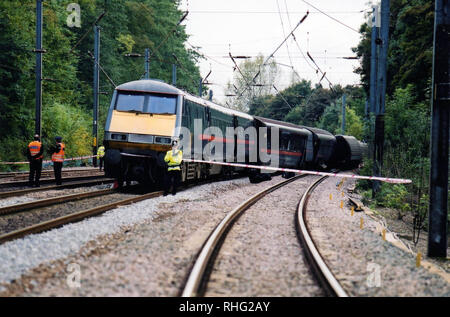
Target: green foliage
x,y
407,129
72,124
126,43
128,26
410,48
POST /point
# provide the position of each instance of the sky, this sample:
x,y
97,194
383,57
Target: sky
x,y
252,27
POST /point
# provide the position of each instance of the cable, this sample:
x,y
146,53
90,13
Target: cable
x,y
101,68
284,33
87,32
282,97
271,55
331,17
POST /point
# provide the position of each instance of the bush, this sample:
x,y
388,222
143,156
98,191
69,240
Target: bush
x,y
71,124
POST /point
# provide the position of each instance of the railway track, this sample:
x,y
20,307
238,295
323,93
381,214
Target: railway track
x,y
197,280
47,173
70,217
16,185
55,222
20,192
323,274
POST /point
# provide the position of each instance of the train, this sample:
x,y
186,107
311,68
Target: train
x,y
145,116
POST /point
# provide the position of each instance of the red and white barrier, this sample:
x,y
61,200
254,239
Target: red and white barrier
x,y
271,168
49,161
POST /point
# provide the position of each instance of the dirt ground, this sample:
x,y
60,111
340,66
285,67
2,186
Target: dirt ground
x,y
404,230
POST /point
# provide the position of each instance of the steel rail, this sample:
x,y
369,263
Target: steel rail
x,y
52,201
51,180
46,171
12,193
323,273
197,274
74,217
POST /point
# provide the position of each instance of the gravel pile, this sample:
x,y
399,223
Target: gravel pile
x,y
360,259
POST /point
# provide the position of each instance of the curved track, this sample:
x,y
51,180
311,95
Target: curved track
x,y
323,274
196,281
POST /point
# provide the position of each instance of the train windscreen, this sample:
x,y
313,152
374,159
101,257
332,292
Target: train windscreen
x,y
146,103
162,104
130,102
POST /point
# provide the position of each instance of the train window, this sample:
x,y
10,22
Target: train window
x,y
284,141
129,102
162,104
296,144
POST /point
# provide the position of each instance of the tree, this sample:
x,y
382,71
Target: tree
x,y
410,48
126,26
251,80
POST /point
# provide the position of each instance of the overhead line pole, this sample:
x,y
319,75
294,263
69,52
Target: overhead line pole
x,y
373,74
381,94
343,113
96,92
374,58
38,51
438,208
147,63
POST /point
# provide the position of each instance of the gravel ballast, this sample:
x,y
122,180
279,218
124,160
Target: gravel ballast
x,y
166,227
361,260
147,248
261,255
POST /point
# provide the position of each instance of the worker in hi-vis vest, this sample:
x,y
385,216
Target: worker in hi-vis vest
x,y
35,154
172,176
58,151
101,155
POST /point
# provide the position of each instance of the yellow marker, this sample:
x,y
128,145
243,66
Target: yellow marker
x,y
384,234
361,223
331,196
342,194
353,210
419,257
342,204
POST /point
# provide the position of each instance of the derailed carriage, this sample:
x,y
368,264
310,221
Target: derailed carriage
x,y
145,115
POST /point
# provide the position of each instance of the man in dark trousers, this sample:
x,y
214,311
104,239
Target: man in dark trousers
x,y
101,155
172,176
57,151
35,155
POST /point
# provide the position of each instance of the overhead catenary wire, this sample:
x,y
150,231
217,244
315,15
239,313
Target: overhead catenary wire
x,y
323,74
284,33
282,97
169,33
334,19
101,68
271,55
87,32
